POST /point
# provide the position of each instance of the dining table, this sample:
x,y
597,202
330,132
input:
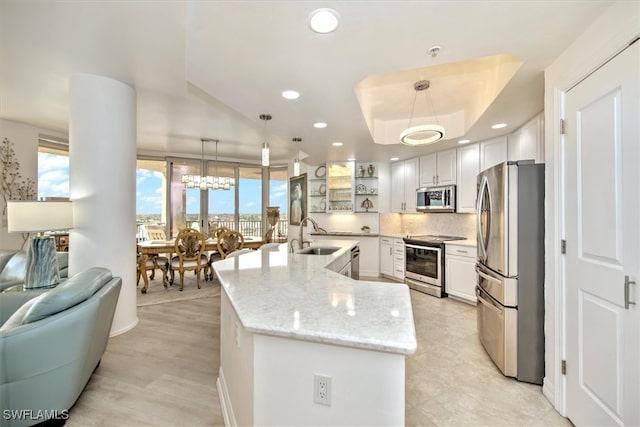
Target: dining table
x,y
147,248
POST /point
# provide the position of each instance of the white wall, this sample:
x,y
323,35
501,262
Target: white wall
x,y
25,144
608,34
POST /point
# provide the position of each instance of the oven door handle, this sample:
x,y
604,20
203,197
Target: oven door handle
x,y
431,248
486,276
486,303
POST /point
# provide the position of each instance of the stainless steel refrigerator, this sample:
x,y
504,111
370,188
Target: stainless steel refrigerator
x,y
510,268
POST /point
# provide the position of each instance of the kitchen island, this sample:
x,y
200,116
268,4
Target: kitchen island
x,y
290,325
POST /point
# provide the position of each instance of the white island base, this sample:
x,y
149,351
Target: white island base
x,y
269,380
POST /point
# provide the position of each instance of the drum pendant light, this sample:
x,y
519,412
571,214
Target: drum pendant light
x,y
422,134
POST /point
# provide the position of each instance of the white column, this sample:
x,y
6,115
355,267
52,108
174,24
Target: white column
x,y
102,181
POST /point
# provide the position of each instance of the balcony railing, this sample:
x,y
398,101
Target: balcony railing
x,y
248,228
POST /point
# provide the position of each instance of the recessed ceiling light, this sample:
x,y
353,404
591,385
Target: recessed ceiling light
x,y
291,94
320,125
351,159
323,20
464,141
393,159
337,144
499,126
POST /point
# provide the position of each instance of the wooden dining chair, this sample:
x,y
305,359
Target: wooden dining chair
x,y
189,247
151,263
230,241
214,255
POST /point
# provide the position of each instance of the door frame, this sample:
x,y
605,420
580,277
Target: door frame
x,y
614,30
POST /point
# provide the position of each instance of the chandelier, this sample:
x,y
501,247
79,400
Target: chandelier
x,y
208,182
422,134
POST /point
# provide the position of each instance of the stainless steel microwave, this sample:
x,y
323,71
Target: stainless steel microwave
x,y
436,199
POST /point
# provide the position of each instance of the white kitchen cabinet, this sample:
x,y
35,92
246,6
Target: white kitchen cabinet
x,y
404,182
398,259
467,175
386,256
438,168
492,152
527,142
460,273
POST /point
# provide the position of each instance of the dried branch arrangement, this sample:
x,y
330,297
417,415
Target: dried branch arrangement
x,y
12,186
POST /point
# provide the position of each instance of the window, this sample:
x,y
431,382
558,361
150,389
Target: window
x,y
53,170
278,196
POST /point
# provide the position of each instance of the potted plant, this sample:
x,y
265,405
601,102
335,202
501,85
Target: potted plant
x,y
365,229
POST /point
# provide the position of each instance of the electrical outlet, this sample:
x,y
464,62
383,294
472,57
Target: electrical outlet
x,y
322,389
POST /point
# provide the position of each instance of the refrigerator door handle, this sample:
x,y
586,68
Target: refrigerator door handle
x,y
486,276
481,243
486,303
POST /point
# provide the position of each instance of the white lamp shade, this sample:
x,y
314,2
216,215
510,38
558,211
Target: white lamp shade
x,y
35,216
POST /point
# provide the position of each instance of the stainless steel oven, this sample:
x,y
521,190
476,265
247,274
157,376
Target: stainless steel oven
x,y
424,263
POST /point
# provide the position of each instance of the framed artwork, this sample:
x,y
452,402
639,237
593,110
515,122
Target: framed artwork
x,y
297,198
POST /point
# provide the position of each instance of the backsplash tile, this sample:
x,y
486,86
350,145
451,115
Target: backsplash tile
x,y
463,225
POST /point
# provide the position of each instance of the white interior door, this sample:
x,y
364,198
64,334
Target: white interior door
x,y
601,227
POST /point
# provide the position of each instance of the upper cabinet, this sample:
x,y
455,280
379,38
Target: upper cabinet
x,y
492,152
467,173
438,168
527,143
404,182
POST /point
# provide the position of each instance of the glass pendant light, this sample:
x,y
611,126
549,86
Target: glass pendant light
x,y
265,145
296,161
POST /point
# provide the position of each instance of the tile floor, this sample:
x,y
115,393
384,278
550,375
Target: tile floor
x,y
163,372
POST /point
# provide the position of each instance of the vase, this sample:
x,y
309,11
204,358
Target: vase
x,y
273,215
361,171
371,170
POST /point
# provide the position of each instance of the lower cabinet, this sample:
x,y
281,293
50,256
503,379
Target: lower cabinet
x,y
460,273
392,258
398,259
386,256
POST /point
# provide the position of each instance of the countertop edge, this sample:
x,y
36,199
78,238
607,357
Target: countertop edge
x,y
383,343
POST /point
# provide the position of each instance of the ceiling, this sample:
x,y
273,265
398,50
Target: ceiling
x,y
209,69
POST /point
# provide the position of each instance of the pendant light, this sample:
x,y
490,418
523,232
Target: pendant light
x,y
208,182
422,134
296,161
265,145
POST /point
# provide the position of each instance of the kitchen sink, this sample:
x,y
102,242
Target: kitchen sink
x,y
318,250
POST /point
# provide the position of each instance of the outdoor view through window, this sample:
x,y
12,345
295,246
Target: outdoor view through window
x,y
151,196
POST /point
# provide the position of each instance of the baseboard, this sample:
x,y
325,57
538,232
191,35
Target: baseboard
x,y
225,401
127,328
548,391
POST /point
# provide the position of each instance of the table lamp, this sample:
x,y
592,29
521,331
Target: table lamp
x,y
38,216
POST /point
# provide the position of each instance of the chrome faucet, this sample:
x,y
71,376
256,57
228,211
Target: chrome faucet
x,y
300,238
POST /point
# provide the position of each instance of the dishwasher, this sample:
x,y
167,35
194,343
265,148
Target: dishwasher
x,y
355,262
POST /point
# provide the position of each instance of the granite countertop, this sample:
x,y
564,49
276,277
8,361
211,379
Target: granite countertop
x,y
465,242
343,233
293,295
